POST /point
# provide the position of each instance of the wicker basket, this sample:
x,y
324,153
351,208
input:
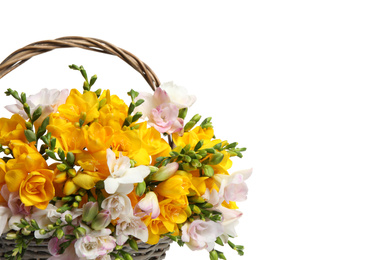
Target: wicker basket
x,y
17,58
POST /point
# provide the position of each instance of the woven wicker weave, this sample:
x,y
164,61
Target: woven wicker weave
x,y
17,58
40,252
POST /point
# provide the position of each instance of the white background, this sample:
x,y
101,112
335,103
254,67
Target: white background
x,y
304,85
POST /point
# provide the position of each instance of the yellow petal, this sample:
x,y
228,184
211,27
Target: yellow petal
x,y
14,178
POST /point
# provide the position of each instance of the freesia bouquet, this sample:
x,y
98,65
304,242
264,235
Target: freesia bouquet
x,y
92,174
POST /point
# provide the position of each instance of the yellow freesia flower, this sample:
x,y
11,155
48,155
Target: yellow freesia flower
x,y
79,105
12,129
129,143
98,137
175,187
2,177
193,137
69,137
156,228
37,188
114,112
29,174
152,142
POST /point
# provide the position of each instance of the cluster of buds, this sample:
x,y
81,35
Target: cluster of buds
x,y
91,216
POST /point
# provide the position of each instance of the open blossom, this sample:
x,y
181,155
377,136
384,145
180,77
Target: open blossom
x,y
94,244
118,204
48,100
162,114
5,214
201,234
122,177
230,219
233,186
14,202
149,205
178,95
130,225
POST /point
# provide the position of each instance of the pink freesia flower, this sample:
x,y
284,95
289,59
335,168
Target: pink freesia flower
x,y
14,203
94,244
130,225
233,187
201,234
165,119
117,204
69,253
149,205
48,100
162,114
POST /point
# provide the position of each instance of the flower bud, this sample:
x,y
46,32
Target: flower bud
x,y
29,125
59,233
102,220
62,167
165,172
70,158
208,171
140,189
213,255
127,256
72,173
90,210
26,232
68,218
11,236
153,169
7,151
216,158
149,204
79,232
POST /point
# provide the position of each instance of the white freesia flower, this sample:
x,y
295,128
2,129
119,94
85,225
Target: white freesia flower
x,y
178,95
94,244
229,222
118,204
122,177
44,218
201,234
5,214
48,100
233,187
130,225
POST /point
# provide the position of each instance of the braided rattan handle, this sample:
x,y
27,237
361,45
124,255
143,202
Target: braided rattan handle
x,y
22,55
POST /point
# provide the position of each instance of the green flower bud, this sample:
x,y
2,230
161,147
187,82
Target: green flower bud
x,y
11,236
30,135
127,256
153,169
62,167
70,158
90,211
208,171
42,231
59,233
37,113
133,244
26,232
79,232
140,190
102,220
7,151
68,218
216,158
213,255
29,125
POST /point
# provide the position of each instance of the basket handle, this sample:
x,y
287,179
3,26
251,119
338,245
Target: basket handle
x,y
22,55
